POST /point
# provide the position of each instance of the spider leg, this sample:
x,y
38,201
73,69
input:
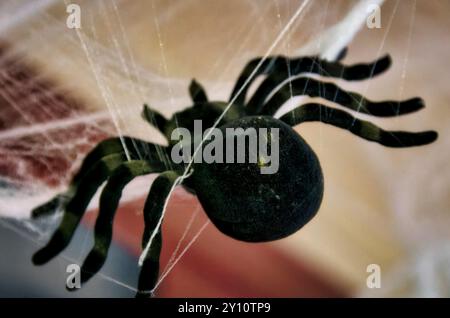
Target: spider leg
x,y
79,196
76,206
154,118
330,91
361,128
109,201
154,206
280,68
320,67
197,92
136,149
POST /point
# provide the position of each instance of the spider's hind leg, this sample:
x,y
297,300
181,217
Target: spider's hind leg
x,y
97,167
76,206
361,128
109,201
122,146
104,148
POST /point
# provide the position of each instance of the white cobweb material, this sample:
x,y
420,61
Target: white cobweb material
x,y
110,62
106,62
21,191
422,220
343,42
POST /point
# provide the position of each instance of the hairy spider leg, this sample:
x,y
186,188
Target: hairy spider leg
x,y
315,66
270,65
77,204
333,93
104,148
153,209
136,147
361,128
81,193
109,201
281,68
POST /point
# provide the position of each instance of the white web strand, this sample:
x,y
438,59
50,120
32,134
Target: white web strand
x,y
183,236
178,181
25,12
51,125
356,14
188,169
351,28
65,257
250,78
408,48
192,241
103,89
337,37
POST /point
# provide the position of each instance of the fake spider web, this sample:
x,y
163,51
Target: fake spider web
x,y
100,60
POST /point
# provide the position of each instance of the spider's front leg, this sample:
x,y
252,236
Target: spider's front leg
x,y
333,93
273,64
361,128
280,68
315,66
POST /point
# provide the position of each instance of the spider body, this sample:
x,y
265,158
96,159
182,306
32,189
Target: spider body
x,y
241,201
275,205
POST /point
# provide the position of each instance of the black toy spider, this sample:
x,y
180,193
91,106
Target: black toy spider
x,y
239,200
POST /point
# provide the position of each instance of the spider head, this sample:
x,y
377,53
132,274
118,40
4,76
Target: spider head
x,y
202,110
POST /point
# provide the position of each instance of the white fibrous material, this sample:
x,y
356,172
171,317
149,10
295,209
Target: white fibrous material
x,y
45,131
421,207
47,126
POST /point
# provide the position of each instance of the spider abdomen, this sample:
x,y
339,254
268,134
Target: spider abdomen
x,y
249,205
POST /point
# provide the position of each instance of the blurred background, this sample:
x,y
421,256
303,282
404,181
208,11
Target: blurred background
x,y
64,89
